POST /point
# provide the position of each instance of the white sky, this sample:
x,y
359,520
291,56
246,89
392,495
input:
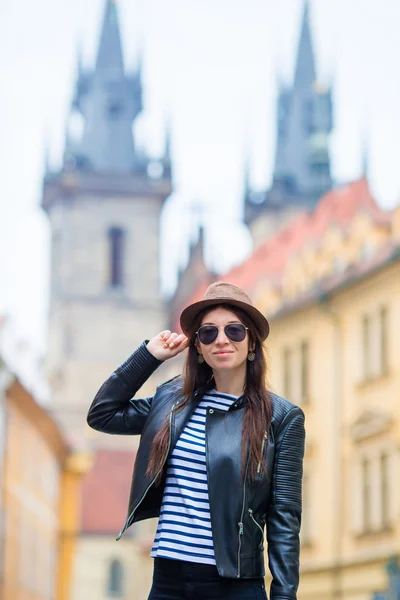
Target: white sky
x,y
210,67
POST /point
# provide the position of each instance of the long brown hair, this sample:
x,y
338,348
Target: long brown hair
x,y
258,408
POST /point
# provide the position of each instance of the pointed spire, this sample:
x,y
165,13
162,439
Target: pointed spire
x,y
246,177
69,160
196,248
196,219
79,61
201,240
365,159
46,156
168,142
108,101
110,48
305,73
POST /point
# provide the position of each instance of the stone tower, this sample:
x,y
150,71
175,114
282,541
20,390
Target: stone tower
x,y
104,207
302,172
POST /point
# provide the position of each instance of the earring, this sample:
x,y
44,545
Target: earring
x,y
251,356
200,358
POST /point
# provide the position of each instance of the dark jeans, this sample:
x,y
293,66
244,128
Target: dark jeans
x,y
181,580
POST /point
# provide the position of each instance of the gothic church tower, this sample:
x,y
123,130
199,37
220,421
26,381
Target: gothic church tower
x,y
104,210
302,172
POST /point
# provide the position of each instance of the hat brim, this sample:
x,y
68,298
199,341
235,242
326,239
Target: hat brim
x,y
190,313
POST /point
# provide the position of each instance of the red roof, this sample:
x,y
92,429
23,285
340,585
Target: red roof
x,y
337,207
105,492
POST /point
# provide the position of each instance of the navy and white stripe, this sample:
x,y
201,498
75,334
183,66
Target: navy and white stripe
x,y
184,526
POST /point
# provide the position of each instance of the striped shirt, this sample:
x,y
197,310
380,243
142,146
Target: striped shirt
x,y
184,526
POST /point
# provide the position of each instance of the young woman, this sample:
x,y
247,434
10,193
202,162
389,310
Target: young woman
x,y
219,458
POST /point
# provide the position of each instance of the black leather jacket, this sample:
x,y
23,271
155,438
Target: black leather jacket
x,y
239,511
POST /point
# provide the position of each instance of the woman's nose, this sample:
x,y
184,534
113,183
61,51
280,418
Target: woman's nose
x,y
221,337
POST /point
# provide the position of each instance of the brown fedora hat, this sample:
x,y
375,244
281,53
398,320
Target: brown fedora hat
x,y
221,292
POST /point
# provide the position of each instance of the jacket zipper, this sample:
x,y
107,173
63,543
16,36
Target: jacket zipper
x,y
254,521
262,450
125,527
240,524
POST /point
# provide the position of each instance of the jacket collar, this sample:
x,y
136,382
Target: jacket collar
x,y
239,403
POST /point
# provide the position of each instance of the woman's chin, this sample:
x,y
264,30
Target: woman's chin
x,y
224,364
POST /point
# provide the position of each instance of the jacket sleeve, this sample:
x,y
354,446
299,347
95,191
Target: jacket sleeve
x,y
114,410
284,509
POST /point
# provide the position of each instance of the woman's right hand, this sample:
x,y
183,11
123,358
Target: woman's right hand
x,y
167,344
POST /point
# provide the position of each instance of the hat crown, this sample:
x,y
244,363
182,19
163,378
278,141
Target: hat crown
x,y
226,291
221,292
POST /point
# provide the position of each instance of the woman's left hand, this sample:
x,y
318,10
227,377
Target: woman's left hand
x,y
167,344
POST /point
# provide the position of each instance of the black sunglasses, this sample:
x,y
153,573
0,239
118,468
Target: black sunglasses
x,y
236,332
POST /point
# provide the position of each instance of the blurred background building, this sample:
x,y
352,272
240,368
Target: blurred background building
x,y
329,281
325,268
40,498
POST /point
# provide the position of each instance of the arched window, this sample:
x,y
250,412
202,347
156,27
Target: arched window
x,y
115,579
116,253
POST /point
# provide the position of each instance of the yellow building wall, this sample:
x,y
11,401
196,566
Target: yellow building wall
x,y
30,502
351,419
75,466
40,499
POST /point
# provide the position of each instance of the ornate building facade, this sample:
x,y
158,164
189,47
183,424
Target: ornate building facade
x,y
329,283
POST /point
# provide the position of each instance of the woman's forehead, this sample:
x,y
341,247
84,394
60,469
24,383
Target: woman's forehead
x,y
220,315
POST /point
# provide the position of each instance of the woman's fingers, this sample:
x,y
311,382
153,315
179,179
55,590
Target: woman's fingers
x,y
179,344
169,338
164,335
174,339
175,343
167,344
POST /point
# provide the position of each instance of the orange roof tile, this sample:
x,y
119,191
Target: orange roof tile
x,y
105,492
337,207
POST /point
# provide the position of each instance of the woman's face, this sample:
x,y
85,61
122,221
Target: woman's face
x,y
223,353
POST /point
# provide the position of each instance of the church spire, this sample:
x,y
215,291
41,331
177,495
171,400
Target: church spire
x,y
109,101
109,54
167,157
302,158
305,73
168,142
246,177
365,159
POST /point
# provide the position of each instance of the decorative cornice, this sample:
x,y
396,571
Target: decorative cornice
x,y
369,424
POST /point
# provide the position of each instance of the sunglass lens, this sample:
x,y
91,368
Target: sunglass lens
x,y
208,334
236,332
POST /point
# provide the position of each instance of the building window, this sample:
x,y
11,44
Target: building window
x,y
385,492
383,339
304,372
287,372
366,341
115,579
116,249
366,494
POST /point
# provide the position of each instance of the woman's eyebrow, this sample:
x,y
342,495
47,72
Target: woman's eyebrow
x,y
228,323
